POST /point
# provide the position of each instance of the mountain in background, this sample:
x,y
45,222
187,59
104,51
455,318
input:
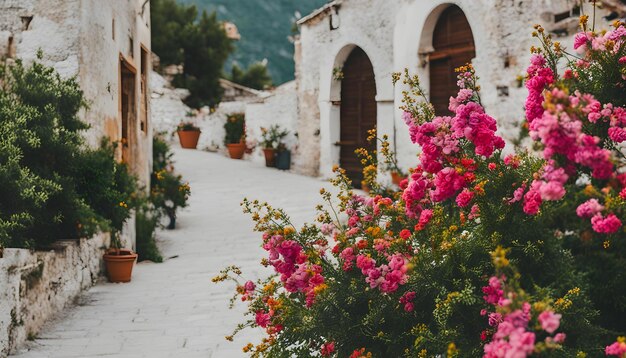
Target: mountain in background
x,y
265,26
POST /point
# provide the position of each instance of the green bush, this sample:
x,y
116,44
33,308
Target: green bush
x,y
235,127
146,222
51,185
168,191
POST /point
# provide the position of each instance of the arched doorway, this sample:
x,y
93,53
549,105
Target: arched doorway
x,y
453,44
358,112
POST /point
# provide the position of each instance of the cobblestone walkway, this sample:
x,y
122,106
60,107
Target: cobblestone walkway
x,y
173,309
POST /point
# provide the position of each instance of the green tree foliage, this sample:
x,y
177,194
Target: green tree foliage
x,y
255,76
199,43
51,185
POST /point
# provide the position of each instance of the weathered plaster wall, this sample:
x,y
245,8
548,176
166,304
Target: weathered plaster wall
x,y
110,29
280,108
34,286
393,34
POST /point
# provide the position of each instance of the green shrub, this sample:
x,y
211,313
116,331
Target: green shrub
x,y
51,185
235,127
146,222
168,191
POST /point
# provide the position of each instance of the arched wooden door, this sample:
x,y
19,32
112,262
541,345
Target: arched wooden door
x,y
453,42
358,112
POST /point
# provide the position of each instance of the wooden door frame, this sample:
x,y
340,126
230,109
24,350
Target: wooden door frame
x,y
126,64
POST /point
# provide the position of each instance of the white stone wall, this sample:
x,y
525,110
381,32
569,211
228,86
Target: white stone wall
x,y
34,286
392,34
280,108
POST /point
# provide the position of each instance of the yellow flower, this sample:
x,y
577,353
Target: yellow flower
x,y
498,256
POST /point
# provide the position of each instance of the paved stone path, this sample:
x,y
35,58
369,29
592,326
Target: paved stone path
x,y
173,309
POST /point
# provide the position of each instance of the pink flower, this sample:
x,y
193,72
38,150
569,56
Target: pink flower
x,y
353,221
617,134
518,194
606,225
589,208
532,202
550,321
559,338
327,349
348,258
580,40
365,263
493,292
447,183
464,198
262,319
407,301
474,212
425,217
249,286
616,349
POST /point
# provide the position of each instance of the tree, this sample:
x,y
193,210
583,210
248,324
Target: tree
x,y
200,44
255,76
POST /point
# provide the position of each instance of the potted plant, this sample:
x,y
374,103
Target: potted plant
x,y
188,134
235,135
119,262
283,157
270,139
117,203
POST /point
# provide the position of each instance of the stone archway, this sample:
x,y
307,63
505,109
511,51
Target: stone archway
x,y
453,46
358,112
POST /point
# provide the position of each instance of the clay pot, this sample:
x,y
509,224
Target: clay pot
x,y
236,150
396,178
270,156
119,264
188,139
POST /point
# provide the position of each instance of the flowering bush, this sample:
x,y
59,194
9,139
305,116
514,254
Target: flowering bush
x,y
477,255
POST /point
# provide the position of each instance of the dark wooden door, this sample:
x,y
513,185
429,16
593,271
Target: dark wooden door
x,y
358,112
454,47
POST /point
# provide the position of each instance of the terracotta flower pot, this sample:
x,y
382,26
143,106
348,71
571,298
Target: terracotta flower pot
x,y
236,150
119,264
188,139
270,157
364,186
396,178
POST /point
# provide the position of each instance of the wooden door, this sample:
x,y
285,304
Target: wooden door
x,y
454,47
358,112
128,109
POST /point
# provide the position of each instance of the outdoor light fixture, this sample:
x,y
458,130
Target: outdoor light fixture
x,y
334,18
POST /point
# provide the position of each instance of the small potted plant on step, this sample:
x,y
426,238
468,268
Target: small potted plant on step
x,y
188,134
234,139
119,262
270,139
283,157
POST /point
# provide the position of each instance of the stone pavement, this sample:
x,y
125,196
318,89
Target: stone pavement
x,y
173,309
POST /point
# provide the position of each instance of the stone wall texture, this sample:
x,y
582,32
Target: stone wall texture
x,y
34,286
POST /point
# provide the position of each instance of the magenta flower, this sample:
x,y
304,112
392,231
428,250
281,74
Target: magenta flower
x,y
549,321
606,225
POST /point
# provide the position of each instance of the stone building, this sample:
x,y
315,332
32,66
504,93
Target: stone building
x,y
106,45
348,50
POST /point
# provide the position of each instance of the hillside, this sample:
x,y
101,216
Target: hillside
x,y
264,27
